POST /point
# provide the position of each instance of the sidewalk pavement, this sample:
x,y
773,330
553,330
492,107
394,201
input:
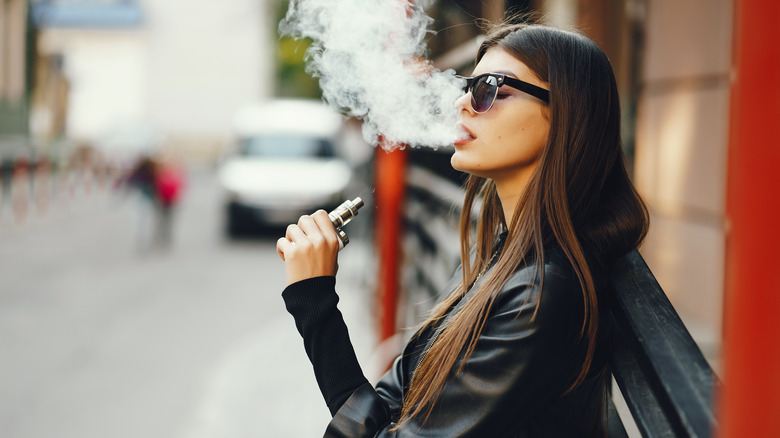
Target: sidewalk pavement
x,y
285,401
237,374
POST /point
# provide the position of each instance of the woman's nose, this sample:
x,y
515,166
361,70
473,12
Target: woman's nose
x,y
464,103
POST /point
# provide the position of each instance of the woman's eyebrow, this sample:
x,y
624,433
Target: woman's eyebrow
x,y
507,73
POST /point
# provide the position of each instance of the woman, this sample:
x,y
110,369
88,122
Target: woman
x,y
517,347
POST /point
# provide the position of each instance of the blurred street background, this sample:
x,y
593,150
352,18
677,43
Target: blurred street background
x,y
102,339
144,180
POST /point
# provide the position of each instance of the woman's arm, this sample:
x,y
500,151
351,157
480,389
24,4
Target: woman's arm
x,y
336,367
521,361
310,250
312,303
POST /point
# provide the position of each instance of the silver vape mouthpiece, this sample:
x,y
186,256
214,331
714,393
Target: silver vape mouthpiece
x,y
342,215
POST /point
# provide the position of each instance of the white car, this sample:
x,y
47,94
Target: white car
x,y
286,163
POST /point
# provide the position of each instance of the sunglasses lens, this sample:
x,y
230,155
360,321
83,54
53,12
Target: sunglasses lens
x,y
483,93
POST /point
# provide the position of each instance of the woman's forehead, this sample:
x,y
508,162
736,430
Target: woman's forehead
x,y
498,60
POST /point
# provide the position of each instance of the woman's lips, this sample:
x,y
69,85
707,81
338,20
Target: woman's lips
x,y
462,141
465,136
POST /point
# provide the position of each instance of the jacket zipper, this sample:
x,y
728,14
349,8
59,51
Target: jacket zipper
x,y
456,308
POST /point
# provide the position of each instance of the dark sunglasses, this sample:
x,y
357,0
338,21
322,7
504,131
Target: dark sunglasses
x,y
484,89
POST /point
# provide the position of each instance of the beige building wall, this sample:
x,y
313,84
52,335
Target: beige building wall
x,y
12,39
184,71
207,59
107,73
681,149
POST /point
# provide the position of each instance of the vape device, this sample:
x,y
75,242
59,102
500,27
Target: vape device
x,y
342,215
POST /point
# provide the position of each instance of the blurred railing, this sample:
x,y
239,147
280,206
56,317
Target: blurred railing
x,y
431,245
33,186
663,376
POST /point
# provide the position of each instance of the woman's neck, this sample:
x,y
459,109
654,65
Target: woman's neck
x,y
509,191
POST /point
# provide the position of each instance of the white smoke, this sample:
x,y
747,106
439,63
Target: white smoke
x,y
369,57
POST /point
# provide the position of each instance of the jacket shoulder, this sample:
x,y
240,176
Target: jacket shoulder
x,y
555,288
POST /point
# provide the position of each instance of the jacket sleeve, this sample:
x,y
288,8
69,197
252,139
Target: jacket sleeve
x,y
312,303
521,361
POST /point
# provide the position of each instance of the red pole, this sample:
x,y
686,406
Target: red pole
x,y
390,171
750,401
390,180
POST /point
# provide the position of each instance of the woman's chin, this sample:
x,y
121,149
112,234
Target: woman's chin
x,y
455,162
458,163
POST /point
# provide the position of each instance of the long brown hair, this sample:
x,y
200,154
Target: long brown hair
x,y
579,198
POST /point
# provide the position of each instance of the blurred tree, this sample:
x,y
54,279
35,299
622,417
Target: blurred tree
x,y
291,77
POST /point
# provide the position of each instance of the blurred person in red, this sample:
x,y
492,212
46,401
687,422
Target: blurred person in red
x,y
159,186
169,185
141,179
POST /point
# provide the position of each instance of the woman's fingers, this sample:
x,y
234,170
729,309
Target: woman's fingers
x,y
316,230
309,227
283,245
309,248
322,220
295,234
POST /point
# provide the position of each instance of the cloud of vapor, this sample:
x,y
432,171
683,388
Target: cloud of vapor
x,y
369,57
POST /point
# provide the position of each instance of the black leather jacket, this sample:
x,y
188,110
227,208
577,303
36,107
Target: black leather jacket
x,y
515,382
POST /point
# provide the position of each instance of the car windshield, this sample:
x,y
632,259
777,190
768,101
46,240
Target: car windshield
x,y
286,146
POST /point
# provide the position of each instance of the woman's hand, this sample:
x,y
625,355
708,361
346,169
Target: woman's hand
x,y
310,248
